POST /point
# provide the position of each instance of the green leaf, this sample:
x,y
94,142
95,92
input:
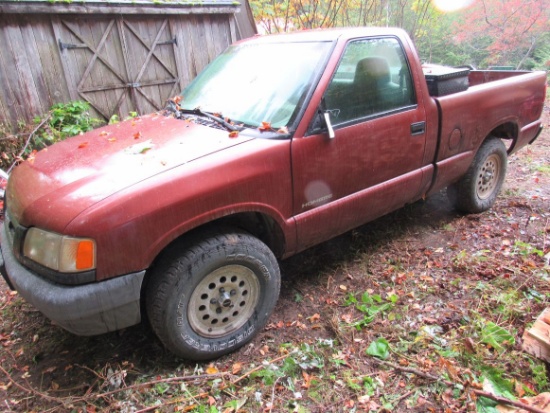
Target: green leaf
x,y
350,299
379,348
496,336
486,405
393,298
236,405
162,388
496,384
366,298
366,320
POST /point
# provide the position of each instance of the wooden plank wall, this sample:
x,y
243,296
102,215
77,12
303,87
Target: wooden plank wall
x,y
31,79
35,73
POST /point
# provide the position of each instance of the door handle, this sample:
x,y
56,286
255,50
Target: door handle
x,y
418,128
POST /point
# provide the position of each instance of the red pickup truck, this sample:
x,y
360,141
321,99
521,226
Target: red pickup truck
x,y
281,143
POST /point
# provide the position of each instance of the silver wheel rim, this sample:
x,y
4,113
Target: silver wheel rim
x,y
487,179
223,301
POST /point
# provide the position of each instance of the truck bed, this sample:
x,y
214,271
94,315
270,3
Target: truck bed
x,y
493,96
478,77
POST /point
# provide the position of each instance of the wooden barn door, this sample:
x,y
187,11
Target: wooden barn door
x,y
119,65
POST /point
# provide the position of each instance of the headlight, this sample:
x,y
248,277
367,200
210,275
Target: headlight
x,y
59,252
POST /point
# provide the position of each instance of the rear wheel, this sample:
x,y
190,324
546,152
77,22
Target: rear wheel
x,y
209,299
478,189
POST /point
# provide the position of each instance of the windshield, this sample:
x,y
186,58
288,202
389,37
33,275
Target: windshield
x,y
255,82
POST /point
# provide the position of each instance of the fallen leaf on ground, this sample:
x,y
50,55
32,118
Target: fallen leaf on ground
x,y
541,402
236,368
211,369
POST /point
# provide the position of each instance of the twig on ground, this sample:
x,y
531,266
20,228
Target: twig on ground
x,y
30,389
273,394
405,396
28,141
88,396
167,380
545,235
205,394
247,374
477,392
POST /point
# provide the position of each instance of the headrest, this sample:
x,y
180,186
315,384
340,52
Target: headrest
x,y
373,70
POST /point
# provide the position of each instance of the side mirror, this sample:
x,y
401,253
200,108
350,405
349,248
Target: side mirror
x,y
328,124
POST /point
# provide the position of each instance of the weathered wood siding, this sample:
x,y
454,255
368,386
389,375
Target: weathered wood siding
x,y
119,63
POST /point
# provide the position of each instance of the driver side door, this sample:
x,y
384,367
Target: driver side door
x,y
373,165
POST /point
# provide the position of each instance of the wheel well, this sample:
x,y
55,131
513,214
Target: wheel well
x,y
259,225
508,133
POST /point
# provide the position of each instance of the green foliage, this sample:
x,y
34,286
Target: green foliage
x,y
205,409
524,249
62,121
498,385
161,388
496,336
370,306
70,119
114,119
539,374
379,348
304,358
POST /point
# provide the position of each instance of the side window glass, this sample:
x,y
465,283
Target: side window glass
x,y
372,77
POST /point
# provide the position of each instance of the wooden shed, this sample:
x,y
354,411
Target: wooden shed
x,y
120,56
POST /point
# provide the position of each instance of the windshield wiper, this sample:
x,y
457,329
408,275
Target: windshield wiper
x,y
215,118
198,112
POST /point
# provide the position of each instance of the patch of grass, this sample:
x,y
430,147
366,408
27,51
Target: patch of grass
x,y
543,169
525,249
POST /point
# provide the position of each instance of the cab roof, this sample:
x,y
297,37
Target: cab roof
x,y
327,35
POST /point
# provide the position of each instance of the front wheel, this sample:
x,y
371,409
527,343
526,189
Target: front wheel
x,y
209,299
478,189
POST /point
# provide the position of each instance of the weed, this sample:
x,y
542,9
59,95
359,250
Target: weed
x,y
496,336
509,304
545,169
370,306
379,348
62,121
114,119
539,374
525,249
69,119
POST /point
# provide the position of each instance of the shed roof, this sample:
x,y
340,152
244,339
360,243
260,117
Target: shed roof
x,y
120,6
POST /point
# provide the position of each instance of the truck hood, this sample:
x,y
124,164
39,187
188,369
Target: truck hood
x,y
66,178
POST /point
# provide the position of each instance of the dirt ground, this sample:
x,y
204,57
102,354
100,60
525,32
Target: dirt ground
x,y
424,254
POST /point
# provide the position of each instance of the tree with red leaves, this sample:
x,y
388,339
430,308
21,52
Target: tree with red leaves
x,y
510,30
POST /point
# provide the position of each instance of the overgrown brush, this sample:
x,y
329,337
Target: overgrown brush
x,y
62,121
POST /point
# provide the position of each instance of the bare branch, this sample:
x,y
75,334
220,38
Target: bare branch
x,y
477,392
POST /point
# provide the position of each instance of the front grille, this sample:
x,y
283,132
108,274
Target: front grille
x,y
10,230
14,233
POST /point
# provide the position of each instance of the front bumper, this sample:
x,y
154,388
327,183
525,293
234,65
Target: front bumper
x,y
84,310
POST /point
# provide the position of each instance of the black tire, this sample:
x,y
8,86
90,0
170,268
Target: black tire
x,y
478,189
209,299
